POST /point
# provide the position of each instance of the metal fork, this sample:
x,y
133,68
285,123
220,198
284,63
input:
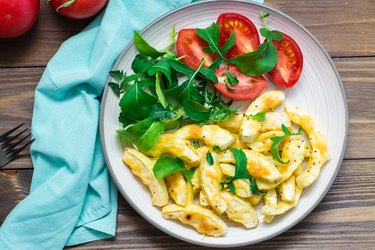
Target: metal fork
x,y
11,144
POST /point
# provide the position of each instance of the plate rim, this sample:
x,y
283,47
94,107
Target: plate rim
x,y
307,212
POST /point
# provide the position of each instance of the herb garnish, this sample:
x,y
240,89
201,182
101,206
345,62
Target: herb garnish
x,y
230,80
153,101
260,117
209,158
167,165
211,35
278,139
263,59
240,173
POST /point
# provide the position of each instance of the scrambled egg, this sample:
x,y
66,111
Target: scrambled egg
x,y
202,199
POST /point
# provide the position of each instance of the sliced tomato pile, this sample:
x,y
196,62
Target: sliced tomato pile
x,y
286,72
191,46
290,62
247,38
247,88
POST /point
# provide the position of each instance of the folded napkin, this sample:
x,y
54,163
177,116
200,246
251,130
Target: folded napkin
x,y
72,199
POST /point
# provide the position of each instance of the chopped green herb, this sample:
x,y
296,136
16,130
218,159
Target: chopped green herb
x,y
196,144
240,172
230,80
263,59
209,158
260,117
277,140
254,188
216,148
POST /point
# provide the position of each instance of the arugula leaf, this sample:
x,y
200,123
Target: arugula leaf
x,y
263,59
216,64
141,63
175,121
229,43
187,89
167,165
150,137
240,172
257,62
162,66
143,134
260,117
196,111
276,140
211,35
144,48
255,189
209,158
159,91
230,79
121,81
135,102
186,70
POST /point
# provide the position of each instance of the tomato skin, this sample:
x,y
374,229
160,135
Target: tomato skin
x,y
248,87
190,45
79,9
17,17
290,62
247,37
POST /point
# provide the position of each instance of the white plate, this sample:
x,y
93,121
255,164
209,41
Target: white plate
x,y
319,92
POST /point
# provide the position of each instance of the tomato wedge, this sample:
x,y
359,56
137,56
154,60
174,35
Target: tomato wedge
x,y
190,45
248,87
247,38
290,62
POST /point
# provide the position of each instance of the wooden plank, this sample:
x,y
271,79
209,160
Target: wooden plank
x,y
345,219
344,28
337,24
17,87
38,45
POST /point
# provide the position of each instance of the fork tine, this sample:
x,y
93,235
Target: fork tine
x,y
11,138
7,149
17,151
10,131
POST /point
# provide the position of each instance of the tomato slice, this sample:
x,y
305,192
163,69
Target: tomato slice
x,y
248,87
191,46
247,38
290,62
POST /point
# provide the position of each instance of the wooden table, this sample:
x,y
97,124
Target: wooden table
x,y
345,219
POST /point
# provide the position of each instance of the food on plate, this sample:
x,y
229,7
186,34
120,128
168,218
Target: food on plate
x,y
191,46
142,167
228,182
17,17
246,88
289,64
202,219
247,38
203,160
77,9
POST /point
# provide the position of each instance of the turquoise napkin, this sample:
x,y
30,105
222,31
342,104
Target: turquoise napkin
x,y
72,199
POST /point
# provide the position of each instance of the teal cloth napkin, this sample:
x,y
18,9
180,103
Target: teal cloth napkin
x,y
72,199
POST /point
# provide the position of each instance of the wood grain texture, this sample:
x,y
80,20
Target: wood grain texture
x,y
338,24
345,219
344,27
